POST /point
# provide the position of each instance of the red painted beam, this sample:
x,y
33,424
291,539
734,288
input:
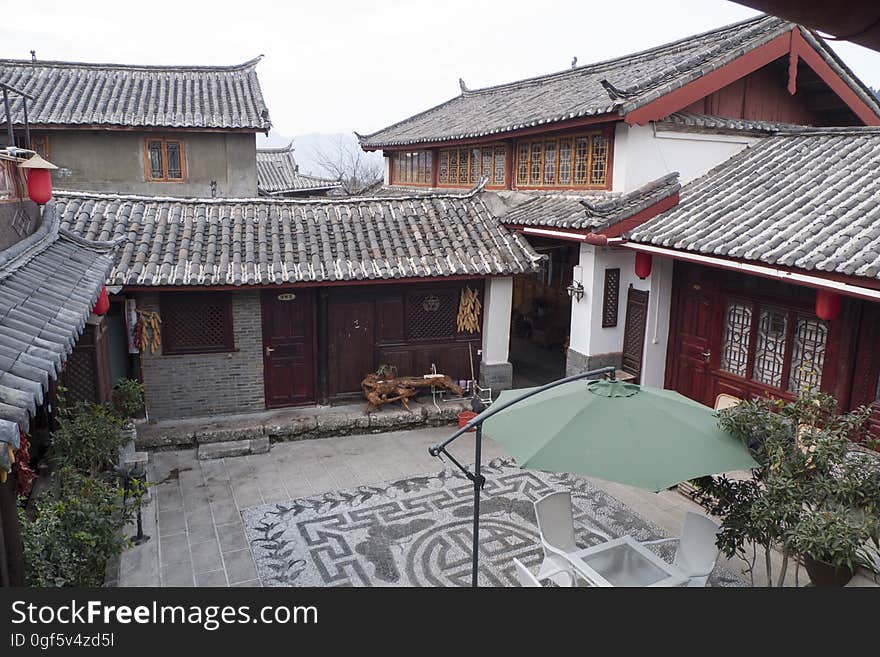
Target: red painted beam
x,y
639,218
820,67
711,82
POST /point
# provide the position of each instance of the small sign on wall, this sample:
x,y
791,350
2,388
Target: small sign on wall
x,y
287,296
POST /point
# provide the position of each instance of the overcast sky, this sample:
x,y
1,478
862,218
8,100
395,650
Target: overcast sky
x,y
342,65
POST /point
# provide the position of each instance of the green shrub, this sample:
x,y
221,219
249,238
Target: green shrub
x,y
88,438
70,540
128,398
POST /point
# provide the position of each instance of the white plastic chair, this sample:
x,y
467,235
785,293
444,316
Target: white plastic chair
x,y
556,527
525,575
696,553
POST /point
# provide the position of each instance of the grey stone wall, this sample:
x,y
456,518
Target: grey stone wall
x,y
205,384
113,161
497,376
576,362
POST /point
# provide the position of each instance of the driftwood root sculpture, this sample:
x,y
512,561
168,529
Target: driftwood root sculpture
x,y
379,392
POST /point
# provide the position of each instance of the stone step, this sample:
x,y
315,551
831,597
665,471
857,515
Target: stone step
x,y
234,448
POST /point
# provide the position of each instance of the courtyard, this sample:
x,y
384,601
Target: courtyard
x,y
304,514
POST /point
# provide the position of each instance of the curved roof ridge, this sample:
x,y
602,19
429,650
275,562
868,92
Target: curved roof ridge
x,y
131,67
277,149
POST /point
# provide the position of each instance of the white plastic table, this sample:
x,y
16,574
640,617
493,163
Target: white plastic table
x,y
624,562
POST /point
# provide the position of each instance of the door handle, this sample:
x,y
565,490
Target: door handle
x,y
269,350
707,355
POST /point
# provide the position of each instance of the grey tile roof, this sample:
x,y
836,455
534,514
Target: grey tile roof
x,y
807,198
615,86
692,120
274,240
278,173
49,283
78,94
592,211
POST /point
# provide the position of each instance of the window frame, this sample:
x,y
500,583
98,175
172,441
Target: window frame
x,y
44,138
430,166
529,144
493,150
148,171
792,313
167,303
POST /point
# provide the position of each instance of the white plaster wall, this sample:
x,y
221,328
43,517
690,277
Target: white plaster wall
x,y
642,154
587,334
386,176
497,310
657,325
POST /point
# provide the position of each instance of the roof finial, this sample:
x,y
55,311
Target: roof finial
x,y
464,88
33,55
574,61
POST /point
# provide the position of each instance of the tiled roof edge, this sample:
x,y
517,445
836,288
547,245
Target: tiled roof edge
x,y
249,64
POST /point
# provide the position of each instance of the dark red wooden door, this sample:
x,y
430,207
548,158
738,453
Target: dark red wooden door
x,y
634,332
691,340
866,374
289,347
351,344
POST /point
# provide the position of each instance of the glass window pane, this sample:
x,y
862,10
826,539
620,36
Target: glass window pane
x,y
565,162
500,164
522,165
155,155
581,160
736,338
550,163
808,354
599,161
537,164
770,346
172,154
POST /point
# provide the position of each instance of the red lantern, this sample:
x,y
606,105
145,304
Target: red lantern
x,y
39,184
643,264
39,180
827,304
102,305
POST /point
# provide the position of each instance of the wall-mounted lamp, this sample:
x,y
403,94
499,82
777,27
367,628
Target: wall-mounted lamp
x,y
576,289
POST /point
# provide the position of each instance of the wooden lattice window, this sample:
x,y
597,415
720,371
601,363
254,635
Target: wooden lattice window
x,y
773,345
412,168
164,160
575,161
465,167
196,323
610,298
431,315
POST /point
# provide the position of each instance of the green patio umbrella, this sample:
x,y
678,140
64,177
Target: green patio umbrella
x,y
606,429
620,432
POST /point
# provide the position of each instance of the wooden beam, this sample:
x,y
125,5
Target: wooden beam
x,y
819,66
709,83
792,67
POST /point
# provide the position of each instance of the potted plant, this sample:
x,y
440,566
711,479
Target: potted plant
x,y
386,372
812,496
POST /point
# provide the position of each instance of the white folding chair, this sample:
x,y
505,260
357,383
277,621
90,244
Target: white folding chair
x,y
556,527
696,553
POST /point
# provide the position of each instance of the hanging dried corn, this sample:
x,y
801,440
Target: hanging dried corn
x,y
469,309
147,331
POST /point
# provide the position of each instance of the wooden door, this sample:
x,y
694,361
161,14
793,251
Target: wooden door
x,y
866,373
351,343
289,347
634,332
690,341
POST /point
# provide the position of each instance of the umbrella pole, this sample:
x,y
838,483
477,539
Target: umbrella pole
x,y
479,482
477,423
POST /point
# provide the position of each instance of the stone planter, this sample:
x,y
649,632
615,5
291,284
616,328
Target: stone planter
x,y
825,575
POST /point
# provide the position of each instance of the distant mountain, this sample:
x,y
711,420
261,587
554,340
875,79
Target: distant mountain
x,y
306,145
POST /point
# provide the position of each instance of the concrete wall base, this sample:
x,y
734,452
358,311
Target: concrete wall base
x,y
497,376
576,362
